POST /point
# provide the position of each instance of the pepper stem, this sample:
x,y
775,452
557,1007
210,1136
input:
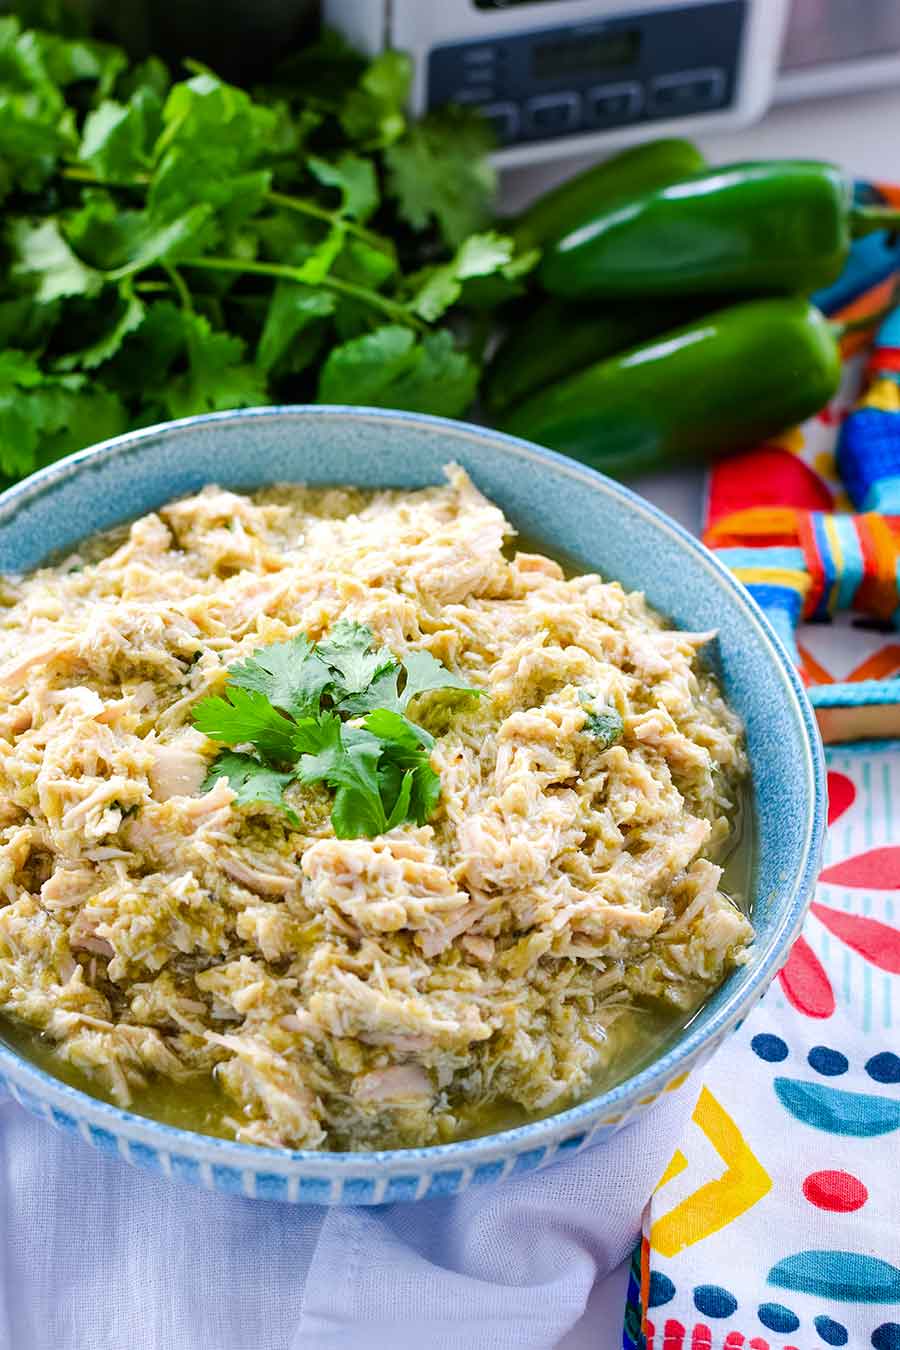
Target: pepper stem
x,y
866,219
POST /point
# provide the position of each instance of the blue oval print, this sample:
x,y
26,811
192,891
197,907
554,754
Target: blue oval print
x,y
847,1275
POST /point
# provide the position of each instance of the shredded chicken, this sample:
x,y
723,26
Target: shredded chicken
x,y
564,901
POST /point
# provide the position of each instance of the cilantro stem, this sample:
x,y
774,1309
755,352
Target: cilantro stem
x,y
299,205
79,175
178,284
304,208
399,313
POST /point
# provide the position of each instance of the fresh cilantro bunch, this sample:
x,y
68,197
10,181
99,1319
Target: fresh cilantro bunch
x,y
170,247
291,703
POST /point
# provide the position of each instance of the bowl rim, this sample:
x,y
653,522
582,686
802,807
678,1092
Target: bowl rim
x,y
663,1070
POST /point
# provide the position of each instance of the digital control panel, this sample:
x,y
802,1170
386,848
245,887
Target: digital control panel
x,y
595,76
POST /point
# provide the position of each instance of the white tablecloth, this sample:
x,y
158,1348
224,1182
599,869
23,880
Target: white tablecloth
x,y
99,1256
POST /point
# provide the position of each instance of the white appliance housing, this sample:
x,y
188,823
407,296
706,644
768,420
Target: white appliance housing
x,y
837,47
561,77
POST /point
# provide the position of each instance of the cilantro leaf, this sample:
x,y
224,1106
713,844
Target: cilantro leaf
x,y
425,674
144,362
426,793
323,70
365,264
319,262
485,270
402,799
438,172
290,674
348,761
217,376
604,724
19,369
373,112
29,145
405,771
358,811
77,413
152,242
44,416
440,380
212,150
116,137
414,791
481,255
129,315
354,179
346,652
363,370
388,368
21,418
176,363
322,749
75,61
402,738
101,232
43,259
382,692
246,717
292,309
251,781
317,736
151,76
25,325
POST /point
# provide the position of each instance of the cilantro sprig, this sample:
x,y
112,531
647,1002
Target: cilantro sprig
x,y
332,712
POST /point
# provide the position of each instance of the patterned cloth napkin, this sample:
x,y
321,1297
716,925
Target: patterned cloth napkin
x,y
776,1225
777,1221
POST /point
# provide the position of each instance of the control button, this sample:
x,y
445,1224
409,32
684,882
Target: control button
x,y
474,93
477,75
504,118
609,103
477,56
688,91
553,114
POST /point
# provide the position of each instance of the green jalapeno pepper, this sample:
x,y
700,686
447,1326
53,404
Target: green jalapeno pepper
x,y
582,197
556,339
723,382
779,226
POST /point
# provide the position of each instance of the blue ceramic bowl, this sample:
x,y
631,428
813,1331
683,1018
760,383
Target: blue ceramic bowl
x,y
565,508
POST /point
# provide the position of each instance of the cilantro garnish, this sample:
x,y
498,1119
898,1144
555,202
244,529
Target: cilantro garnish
x,y
604,724
291,704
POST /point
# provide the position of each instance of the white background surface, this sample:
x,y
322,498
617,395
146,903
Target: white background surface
x,y
859,132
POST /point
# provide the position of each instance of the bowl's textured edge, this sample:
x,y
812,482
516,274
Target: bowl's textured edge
x,y
388,1176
